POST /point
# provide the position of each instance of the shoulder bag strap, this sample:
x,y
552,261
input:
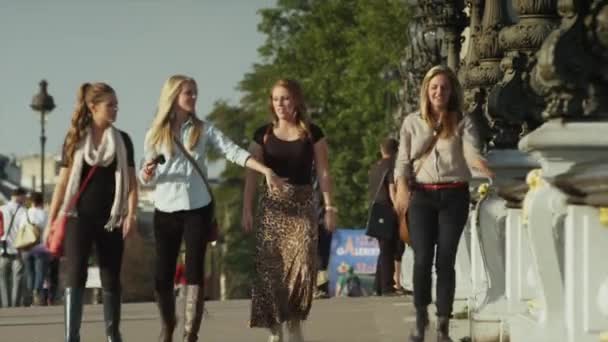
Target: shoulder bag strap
x,y
74,200
194,164
379,187
10,226
425,154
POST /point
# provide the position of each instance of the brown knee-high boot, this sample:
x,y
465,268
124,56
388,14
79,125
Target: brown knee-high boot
x,y
195,303
166,306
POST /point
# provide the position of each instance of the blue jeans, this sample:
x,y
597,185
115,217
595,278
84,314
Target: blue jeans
x,y
36,268
11,280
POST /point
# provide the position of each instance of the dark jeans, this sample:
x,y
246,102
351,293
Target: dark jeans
x,y
324,246
437,218
81,233
169,229
53,279
385,266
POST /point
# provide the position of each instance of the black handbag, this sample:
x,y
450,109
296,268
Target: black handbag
x,y
382,219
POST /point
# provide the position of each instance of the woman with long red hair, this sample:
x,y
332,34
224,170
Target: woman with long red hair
x,y
286,221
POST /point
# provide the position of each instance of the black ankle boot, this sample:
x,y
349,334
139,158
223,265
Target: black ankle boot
x,y
111,315
422,321
443,329
73,313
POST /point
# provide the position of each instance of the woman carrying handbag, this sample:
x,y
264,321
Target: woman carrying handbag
x,y
97,193
382,222
183,202
438,146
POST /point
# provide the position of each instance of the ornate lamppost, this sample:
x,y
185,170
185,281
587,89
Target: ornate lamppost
x,y
44,104
434,35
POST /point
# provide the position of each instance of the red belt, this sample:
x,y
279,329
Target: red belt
x,y
440,186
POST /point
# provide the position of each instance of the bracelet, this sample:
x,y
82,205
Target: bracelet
x,y
330,208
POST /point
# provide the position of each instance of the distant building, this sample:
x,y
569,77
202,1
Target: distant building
x,y
30,172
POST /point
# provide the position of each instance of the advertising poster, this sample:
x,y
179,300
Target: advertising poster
x,y
353,256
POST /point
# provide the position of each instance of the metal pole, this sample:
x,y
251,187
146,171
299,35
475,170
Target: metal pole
x,y
42,143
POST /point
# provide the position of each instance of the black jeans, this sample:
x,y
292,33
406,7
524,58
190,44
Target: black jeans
x,y
169,229
437,218
385,266
81,233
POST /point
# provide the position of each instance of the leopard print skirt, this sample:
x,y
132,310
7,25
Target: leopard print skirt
x,y
285,256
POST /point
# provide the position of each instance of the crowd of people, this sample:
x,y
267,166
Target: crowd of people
x,y
425,174
27,277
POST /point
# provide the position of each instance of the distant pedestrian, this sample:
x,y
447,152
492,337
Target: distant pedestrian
x,y
383,222
37,259
11,264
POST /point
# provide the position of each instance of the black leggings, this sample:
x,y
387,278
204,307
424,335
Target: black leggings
x,y
437,218
81,233
169,229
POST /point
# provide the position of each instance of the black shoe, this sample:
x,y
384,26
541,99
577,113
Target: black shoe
x,y
443,329
422,322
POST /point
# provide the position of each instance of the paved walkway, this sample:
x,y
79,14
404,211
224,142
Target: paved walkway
x,y
332,320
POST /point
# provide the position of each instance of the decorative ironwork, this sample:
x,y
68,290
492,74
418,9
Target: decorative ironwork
x,y
572,68
512,103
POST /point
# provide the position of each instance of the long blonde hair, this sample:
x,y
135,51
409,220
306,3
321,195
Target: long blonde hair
x,y
159,136
455,103
295,91
88,93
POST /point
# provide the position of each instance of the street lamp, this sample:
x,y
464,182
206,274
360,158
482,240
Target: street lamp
x,y
44,104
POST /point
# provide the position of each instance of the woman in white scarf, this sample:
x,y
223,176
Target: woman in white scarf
x,y
105,211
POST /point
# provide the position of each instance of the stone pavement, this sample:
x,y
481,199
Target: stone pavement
x,y
331,320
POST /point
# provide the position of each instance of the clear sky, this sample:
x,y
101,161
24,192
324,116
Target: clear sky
x,y
134,45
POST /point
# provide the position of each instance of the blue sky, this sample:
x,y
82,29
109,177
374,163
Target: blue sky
x,y
133,45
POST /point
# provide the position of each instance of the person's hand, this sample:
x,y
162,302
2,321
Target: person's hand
x,y
274,182
149,170
401,202
490,174
247,220
129,224
330,218
47,233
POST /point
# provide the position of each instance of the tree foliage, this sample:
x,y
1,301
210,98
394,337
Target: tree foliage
x,y
337,50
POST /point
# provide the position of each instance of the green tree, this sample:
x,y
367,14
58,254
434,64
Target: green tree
x,y
336,49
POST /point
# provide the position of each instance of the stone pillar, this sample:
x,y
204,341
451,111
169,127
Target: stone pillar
x,y
572,147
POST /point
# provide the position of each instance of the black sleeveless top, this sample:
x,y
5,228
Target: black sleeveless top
x,y
289,159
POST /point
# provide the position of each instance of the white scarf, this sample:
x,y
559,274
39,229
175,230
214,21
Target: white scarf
x,y
111,145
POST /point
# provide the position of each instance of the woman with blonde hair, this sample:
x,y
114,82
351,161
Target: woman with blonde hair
x,y
175,150
97,162
438,145
286,221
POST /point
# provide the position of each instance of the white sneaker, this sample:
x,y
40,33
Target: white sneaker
x,y
276,334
